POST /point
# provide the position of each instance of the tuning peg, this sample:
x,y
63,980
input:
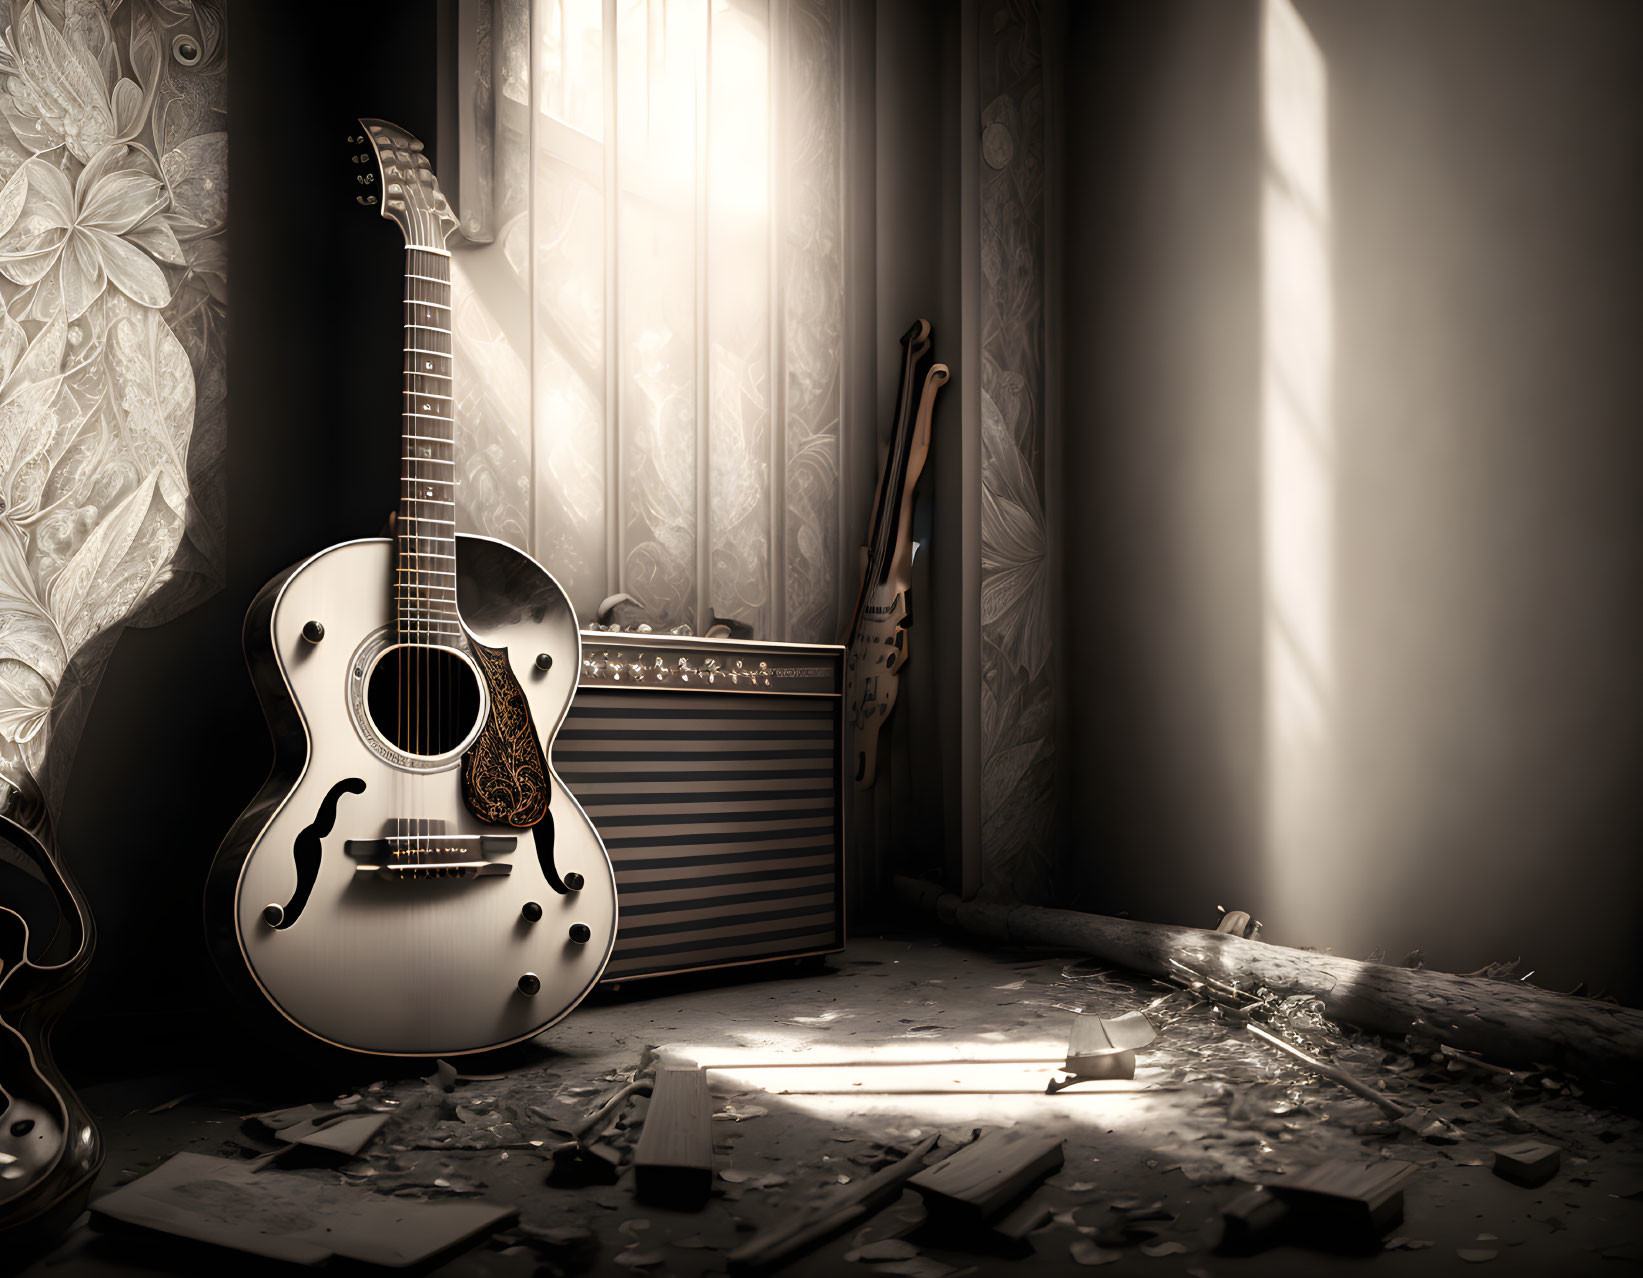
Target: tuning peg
x,y
365,199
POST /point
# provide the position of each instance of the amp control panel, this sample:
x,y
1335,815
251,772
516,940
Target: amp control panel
x,y
625,660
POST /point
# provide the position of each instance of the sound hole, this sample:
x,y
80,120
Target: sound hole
x,y
423,699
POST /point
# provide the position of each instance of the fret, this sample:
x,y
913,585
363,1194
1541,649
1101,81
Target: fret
x,y
424,577
426,248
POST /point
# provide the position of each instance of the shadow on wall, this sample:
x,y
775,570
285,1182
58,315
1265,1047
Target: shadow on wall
x,y
1356,575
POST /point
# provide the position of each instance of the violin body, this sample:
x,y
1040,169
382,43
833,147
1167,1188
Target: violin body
x,y
877,638
50,1149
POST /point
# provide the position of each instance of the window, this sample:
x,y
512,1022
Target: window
x,y
664,292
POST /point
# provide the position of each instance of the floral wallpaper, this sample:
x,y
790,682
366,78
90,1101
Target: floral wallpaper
x,y
113,295
1017,701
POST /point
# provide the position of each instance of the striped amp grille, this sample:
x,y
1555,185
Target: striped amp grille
x,y
721,811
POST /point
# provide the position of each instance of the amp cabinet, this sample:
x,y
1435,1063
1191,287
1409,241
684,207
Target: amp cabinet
x,y
714,771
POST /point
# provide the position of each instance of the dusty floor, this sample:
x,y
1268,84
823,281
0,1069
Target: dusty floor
x,y
1148,1164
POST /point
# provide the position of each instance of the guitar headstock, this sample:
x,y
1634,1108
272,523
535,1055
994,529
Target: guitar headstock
x,y
403,184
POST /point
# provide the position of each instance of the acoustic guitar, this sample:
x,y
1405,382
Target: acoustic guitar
x,y
50,1149
413,879
877,636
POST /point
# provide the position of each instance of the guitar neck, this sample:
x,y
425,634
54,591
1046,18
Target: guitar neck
x,y
888,497
425,568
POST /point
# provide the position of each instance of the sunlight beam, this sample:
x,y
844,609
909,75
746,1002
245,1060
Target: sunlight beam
x,y
1298,462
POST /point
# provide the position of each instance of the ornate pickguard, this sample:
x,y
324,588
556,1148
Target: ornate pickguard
x,y
504,773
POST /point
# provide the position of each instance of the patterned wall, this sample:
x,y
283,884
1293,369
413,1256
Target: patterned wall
x,y
113,296
813,322
1017,704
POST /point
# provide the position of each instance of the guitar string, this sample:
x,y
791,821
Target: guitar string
x,y
431,692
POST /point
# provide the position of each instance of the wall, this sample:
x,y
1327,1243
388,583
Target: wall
x,y
1470,786
174,744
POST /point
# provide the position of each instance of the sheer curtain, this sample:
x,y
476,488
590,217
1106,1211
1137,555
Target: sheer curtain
x,y
664,292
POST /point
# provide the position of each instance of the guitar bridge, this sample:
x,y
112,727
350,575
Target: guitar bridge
x,y
432,854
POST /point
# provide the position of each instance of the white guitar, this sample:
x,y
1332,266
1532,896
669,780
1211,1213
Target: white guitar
x,y
413,879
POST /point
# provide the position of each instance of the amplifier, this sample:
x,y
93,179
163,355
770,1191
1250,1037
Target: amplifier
x,y
714,771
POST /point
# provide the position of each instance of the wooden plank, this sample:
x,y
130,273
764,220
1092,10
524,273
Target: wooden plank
x,y
984,1178
839,1210
1528,1163
281,1216
673,1165
1015,1224
1347,1202
1251,1221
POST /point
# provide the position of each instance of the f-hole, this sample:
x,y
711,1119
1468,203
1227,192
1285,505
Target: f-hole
x,y
307,849
542,832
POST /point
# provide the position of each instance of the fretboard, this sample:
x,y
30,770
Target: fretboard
x,y
425,568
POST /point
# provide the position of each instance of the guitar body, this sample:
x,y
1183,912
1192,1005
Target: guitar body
x,y
367,901
50,1149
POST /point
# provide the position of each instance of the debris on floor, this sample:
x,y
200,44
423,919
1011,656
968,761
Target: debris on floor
x,y
1098,1048
578,1158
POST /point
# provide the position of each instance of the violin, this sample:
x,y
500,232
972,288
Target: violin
x,y
50,1149
877,635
